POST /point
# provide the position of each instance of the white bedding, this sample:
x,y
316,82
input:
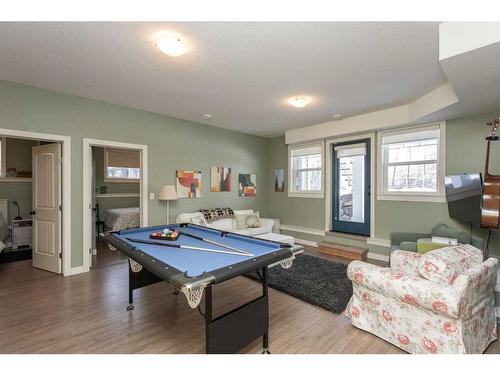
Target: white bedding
x,y
122,218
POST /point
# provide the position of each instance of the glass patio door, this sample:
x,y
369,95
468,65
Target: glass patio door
x,y
351,187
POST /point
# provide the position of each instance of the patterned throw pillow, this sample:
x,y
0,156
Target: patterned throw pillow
x,y
215,214
253,221
445,265
241,221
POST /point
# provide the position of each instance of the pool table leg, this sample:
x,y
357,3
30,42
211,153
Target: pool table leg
x,y
130,292
265,290
208,316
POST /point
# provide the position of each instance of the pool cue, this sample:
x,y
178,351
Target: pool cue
x,y
213,242
187,247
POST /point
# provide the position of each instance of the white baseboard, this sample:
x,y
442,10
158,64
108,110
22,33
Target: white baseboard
x,y
306,242
291,228
383,258
382,242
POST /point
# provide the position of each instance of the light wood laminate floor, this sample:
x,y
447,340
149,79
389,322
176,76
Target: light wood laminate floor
x,y
45,313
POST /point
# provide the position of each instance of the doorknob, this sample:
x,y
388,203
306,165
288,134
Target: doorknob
x,y
32,212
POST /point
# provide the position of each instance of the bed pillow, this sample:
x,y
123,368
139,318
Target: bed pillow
x,y
4,229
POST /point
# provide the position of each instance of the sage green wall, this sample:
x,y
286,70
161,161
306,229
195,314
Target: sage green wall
x,y
18,155
299,212
465,152
172,144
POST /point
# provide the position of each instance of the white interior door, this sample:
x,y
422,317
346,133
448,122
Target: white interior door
x,y
46,211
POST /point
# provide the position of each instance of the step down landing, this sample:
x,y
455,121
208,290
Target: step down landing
x,y
343,251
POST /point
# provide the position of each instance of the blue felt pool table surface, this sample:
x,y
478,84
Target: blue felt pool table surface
x,y
192,262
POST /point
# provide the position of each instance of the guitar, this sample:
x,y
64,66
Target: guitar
x,y
490,211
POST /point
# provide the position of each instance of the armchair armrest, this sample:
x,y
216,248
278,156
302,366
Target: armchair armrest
x,y
477,286
439,298
398,237
267,223
405,261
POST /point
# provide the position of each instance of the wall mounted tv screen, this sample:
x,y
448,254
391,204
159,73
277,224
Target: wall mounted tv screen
x,y
464,193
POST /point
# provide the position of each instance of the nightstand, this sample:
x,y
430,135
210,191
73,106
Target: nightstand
x,y
22,233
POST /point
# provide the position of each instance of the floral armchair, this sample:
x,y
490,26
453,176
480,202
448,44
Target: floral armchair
x,y
438,302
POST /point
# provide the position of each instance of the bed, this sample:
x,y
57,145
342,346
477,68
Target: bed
x,y
122,218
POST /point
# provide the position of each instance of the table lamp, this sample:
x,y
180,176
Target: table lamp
x,y
167,193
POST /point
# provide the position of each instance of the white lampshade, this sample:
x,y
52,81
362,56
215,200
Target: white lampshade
x,y
167,193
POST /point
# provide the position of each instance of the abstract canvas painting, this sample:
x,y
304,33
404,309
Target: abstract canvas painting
x,y
220,179
279,180
247,185
188,184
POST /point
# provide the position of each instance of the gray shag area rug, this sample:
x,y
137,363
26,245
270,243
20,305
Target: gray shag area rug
x,y
317,281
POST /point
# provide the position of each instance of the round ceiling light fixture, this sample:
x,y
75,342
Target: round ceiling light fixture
x,y
337,116
171,45
299,101
207,116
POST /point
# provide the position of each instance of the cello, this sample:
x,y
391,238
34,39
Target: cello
x,y
490,211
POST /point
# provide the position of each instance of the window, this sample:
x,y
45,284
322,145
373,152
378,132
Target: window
x,y
2,157
412,164
121,165
306,170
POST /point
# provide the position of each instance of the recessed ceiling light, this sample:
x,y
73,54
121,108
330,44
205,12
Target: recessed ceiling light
x,y
337,116
207,116
299,101
171,45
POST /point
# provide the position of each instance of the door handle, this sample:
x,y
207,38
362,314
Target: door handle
x,y
32,212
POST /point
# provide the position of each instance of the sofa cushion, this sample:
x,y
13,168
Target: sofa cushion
x,y
223,224
251,231
443,230
445,265
199,220
243,212
188,217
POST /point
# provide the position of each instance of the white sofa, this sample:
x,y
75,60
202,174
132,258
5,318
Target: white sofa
x,y
229,224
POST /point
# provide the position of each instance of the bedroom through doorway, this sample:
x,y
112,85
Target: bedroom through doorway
x,y
115,199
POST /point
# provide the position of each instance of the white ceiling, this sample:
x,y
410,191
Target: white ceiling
x,y
242,73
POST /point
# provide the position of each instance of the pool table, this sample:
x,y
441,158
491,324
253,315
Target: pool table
x,y
212,256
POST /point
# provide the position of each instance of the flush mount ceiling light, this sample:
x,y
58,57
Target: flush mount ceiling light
x,y
299,101
171,45
207,116
337,116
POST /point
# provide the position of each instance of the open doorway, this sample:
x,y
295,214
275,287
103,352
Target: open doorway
x,y
114,196
32,196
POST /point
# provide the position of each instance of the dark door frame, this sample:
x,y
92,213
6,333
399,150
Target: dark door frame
x,y
363,229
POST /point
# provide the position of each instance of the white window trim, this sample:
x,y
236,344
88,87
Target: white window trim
x,y
3,166
116,179
438,196
302,194
328,177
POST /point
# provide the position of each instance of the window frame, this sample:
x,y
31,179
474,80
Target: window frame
x,y
439,196
306,194
117,179
3,157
